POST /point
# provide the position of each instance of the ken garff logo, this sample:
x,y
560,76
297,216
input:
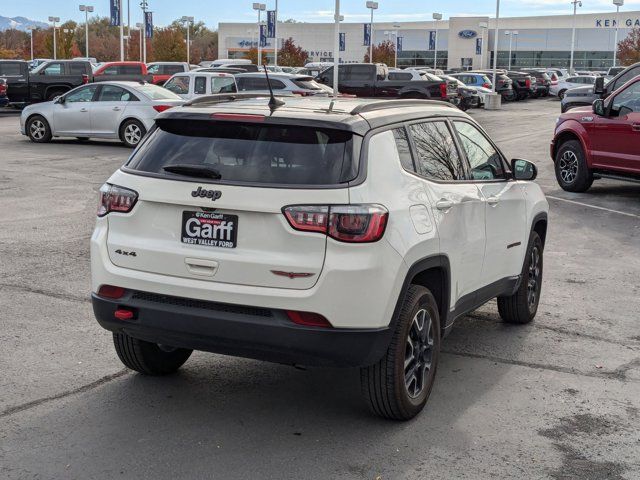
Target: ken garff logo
x,y
467,34
212,194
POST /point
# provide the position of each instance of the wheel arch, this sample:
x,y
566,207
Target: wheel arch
x,y
539,225
56,88
125,120
570,133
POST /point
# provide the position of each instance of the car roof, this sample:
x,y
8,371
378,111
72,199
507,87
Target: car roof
x,y
352,114
271,75
196,73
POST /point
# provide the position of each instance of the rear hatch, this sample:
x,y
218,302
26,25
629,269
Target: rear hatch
x,y
232,229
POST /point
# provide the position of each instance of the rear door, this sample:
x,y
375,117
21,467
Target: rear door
x,y
108,110
73,117
231,230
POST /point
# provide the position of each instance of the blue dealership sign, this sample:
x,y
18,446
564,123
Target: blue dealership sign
x,y
148,24
115,13
467,34
367,34
478,46
263,36
271,24
343,42
432,40
399,44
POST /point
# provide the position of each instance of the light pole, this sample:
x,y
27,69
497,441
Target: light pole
x,y
515,35
618,4
336,47
87,9
31,28
495,46
484,26
189,21
55,45
144,5
260,7
371,6
437,17
140,27
510,34
275,40
576,4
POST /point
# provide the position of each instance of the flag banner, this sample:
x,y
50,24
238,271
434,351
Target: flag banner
x,y
343,42
148,24
263,36
115,13
271,24
399,44
432,40
367,35
478,46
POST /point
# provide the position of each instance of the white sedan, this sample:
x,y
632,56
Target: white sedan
x,y
562,86
114,110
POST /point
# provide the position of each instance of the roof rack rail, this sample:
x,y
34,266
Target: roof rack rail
x,y
225,97
383,104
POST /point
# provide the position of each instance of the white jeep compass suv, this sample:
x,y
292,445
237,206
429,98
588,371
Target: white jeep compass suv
x,y
317,233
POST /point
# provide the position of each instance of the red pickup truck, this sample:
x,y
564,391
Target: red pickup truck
x,y
125,71
600,141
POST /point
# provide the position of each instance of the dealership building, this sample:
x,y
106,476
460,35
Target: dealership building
x,y
459,42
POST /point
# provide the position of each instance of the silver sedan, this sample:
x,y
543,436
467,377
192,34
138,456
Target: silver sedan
x,y
115,110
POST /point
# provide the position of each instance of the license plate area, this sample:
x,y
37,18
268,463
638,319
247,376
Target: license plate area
x,y
209,229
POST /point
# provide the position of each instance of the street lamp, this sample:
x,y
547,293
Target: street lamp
x,y
337,18
618,4
437,17
144,5
510,34
260,7
495,47
31,28
54,20
140,27
576,4
484,26
87,9
189,22
371,6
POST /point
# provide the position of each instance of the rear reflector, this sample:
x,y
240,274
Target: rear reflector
x,y
244,117
122,314
162,108
109,291
308,319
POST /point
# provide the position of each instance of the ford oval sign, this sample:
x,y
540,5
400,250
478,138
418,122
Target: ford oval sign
x,y
467,34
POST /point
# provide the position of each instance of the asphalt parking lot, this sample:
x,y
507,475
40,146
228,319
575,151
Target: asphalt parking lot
x,y
559,398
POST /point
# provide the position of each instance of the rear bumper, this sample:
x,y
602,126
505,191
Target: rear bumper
x,y
263,334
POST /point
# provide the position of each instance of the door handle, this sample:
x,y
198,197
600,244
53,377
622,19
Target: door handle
x,y
635,127
493,200
84,110
444,204
116,109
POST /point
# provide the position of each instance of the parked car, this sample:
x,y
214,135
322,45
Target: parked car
x,y
36,62
281,83
504,85
524,85
116,110
224,61
613,71
49,80
370,80
586,95
571,82
472,79
468,97
126,72
345,233
163,71
4,99
561,73
601,141
542,80
189,85
315,68
92,60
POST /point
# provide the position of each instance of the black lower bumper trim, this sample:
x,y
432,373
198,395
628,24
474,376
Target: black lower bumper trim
x,y
239,331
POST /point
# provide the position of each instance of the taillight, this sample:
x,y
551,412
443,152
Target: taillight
x,y
443,90
115,199
162,108
109,291
527,83
85,78
308,319
244,117
345,223
486,85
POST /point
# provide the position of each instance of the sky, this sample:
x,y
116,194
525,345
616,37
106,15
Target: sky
x,y
214,11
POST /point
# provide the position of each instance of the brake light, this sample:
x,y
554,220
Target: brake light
x,y
486,85
162,108
85,78
527,83
308,319
109,291
246,117
345,223
443,90
115,199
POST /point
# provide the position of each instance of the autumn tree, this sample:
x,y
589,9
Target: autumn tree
x,y
291,55
252,54
13,44
383,53
169,45
204,42
629,48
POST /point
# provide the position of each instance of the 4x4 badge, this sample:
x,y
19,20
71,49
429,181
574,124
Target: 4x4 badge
x,y
212,194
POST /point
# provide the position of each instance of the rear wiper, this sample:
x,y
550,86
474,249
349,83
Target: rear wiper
x,y
194,171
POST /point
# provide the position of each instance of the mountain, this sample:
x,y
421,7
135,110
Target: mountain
x,y
20,23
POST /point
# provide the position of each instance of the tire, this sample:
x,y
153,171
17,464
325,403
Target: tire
x,y
572,171
521,307
132,132
383,384
38,129
148,358
561,93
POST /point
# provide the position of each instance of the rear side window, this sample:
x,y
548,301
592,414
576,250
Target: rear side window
x,y
171,69
437,155
200,86
250,153
10,68
77,68
223,85
404,149
400,76
258,83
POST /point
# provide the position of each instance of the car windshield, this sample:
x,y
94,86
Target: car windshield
x,y
250,153
155,92
307,83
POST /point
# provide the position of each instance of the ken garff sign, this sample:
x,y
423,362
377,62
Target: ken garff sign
x,y
629,22
467,34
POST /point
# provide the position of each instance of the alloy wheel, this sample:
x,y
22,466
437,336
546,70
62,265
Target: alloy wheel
x,y
37,129
568,165
418,353
533,280
132,134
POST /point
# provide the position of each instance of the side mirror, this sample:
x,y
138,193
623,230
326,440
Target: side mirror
x,y
523,170
598,107
59,99
598,86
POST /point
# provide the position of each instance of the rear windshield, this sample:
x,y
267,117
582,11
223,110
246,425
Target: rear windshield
x,y
155,92
9,68
307,83
250,153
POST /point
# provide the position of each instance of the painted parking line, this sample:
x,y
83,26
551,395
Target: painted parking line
x,y
594,206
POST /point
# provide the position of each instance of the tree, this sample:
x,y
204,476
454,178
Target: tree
x,y
629,48
169,45
252,54
383,53
292,56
